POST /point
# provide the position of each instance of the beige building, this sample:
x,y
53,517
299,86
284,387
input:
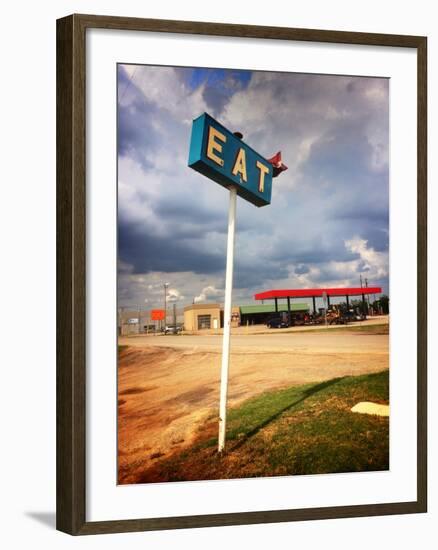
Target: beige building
x,y
203,316
208,316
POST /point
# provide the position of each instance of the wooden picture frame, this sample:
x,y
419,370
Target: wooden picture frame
x,y
71,273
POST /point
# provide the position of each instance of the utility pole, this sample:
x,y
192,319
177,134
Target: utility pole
x,y
366,286
165,303
364,305
174,315
121,319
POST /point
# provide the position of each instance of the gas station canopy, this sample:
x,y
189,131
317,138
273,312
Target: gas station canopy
x,y
317,292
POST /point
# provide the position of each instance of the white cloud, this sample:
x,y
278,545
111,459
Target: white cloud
x,y
374,262
174,295
208,292
164,87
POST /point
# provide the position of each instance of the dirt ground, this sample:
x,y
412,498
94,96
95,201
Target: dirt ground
x,y
169,385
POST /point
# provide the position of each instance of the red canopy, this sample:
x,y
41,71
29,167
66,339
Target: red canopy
x,y
317,292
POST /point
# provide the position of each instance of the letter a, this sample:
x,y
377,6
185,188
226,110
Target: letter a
x,y
240,165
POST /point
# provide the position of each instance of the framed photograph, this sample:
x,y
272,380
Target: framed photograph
x,y
241,274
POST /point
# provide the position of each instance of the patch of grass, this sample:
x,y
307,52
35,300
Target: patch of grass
x,y
121,347
357,328
307,429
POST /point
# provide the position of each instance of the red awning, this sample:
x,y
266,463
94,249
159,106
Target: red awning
x,y
317,292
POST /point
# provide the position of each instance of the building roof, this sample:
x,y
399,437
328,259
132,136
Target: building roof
x,y
317,292
270,308
207,305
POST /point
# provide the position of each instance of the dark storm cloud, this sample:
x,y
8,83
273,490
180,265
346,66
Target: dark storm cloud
x,y
362,266
147,252
338,171
377,236
300,251
134,134
215,98
255,274
301,269
131,133
343,152
177,214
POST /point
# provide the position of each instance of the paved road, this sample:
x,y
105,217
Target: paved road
x,y
303,342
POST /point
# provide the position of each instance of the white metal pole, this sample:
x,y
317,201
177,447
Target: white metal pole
x,y
227,319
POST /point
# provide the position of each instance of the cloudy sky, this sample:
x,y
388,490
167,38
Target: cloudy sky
x,y
328,220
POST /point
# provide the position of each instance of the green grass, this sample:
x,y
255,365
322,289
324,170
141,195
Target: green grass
x,y
306,429
363,328
381,328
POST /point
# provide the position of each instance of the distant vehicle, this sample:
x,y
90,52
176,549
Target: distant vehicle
x,y
299,319
172,330
277,322
359,316
354,315
133,321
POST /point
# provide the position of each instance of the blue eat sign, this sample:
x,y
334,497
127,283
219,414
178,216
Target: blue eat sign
x,y
221,156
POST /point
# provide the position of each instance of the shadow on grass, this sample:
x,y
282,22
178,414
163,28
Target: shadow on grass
x,y
302,397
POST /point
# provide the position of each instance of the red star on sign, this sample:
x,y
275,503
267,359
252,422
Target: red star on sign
x,y
278,165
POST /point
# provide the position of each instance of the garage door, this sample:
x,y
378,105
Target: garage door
x,y
204,321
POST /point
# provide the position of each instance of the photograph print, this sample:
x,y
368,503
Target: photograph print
x,y
253,274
